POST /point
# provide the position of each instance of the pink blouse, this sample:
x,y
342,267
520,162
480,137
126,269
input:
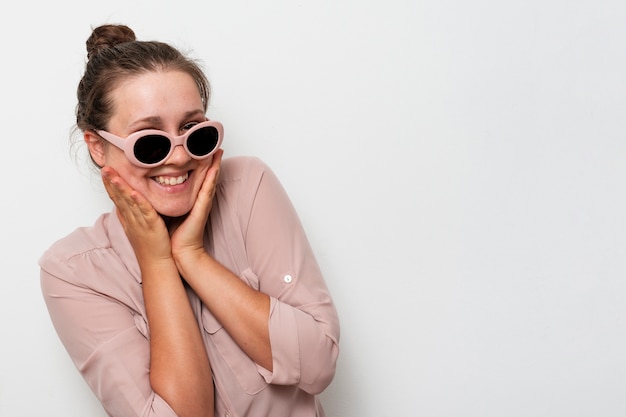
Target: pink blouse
x,y
92,287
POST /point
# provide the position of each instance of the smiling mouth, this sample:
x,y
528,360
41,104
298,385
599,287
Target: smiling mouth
x,y
167,180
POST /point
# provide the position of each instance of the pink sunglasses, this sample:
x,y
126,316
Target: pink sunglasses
x,y
150,148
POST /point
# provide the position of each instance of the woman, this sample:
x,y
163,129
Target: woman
x,y
198,295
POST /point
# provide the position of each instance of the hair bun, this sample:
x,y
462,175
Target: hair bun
x,y
107,36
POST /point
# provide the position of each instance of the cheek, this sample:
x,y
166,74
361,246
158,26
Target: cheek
x,y
202,170
114,157
130,173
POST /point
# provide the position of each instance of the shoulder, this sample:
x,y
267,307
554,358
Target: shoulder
x,y
242,168
67,253
81,240
244,182
241,177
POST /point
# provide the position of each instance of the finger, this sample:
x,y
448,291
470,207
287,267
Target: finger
x,y
209,185
204,200
117,188
112,185
197,217
129,201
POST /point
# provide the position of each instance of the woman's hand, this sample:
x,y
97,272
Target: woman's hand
x,y
144,227
187,234
180,371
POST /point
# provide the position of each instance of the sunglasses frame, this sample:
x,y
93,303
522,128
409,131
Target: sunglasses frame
x,y
128,144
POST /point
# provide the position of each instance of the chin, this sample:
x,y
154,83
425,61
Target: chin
x,y
174,211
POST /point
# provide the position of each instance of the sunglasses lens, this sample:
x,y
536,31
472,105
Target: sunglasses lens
x,y
151,149
203,141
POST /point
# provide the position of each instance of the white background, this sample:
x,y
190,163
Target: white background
x,y
458,166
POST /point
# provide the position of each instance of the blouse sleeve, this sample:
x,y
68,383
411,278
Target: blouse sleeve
x,y
106,346
303,323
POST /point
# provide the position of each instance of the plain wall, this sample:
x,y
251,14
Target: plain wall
x,y
458,166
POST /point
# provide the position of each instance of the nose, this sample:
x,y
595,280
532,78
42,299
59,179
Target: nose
x,y
178,157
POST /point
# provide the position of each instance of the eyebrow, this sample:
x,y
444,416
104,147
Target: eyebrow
x,y
158,119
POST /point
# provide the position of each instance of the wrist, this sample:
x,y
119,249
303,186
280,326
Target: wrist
x,y
187,257
160,268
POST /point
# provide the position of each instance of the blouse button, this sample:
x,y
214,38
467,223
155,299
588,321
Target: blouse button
x,y
287,278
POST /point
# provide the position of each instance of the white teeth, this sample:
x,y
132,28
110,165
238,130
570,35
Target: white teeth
x,y
171,180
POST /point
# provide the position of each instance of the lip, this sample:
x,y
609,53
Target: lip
x,y
174,187
170,173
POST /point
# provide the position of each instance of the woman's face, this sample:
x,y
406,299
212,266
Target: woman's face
x,y
164,100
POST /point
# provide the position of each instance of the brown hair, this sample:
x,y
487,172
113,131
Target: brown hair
x,y
114,54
